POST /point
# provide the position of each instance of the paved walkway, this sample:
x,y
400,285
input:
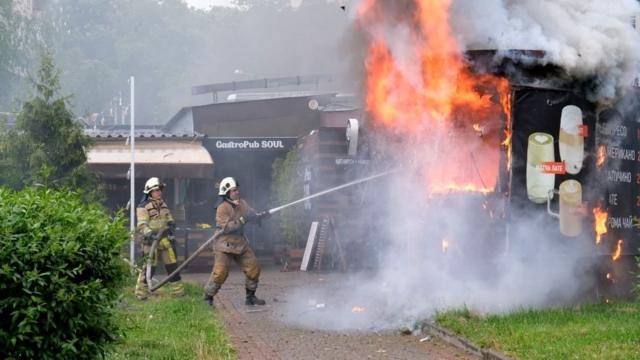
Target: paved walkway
x,y
272,332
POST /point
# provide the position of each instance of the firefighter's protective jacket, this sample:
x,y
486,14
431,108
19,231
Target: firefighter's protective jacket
x,y
228,214
153,216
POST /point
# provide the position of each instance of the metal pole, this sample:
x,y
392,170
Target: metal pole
x,y
132,174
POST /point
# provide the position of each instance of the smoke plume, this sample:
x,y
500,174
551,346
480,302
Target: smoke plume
x,y
586,38
439,251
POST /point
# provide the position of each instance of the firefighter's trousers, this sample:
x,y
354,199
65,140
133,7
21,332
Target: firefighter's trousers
x,y
166,251
248,263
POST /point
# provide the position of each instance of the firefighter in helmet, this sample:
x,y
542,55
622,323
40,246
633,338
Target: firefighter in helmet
x,y
232,215
155,223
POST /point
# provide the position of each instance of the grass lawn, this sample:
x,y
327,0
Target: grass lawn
x,y
598,331
170,328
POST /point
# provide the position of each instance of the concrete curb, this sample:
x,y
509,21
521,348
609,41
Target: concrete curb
x,y
461,343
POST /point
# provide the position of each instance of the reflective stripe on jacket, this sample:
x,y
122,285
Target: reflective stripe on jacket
x,y
153,216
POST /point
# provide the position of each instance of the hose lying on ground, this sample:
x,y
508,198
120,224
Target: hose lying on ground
x,y
186,262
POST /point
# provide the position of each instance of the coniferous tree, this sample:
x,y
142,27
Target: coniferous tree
x,y
47,145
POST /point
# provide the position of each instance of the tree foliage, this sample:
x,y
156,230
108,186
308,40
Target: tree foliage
x,y
47,145
16,41
60,275
287,186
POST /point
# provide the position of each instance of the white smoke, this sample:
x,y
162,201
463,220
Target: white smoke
x,y
491,265
584,37
483,269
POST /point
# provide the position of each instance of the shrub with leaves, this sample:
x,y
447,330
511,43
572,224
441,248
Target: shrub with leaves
x,y
60,275
286,187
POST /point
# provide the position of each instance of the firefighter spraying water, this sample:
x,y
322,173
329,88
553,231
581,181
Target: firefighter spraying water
x,y
272,211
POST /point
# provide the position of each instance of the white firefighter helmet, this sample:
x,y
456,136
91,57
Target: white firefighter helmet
x,y
152,184
227,184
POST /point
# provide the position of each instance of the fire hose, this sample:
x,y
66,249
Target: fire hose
x,y
152,255
271,212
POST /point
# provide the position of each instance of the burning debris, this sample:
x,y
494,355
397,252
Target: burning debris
x,y
618,251
602,155
600,224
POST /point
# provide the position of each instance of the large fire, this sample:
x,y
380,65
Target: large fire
x,y
423,90
600,223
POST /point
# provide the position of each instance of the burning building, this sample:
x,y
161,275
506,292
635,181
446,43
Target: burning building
x,y
497,153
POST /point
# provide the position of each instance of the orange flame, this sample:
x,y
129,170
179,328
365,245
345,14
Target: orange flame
x,y
616,255
505,101
445,245
602,155
600,226
357,309
426,92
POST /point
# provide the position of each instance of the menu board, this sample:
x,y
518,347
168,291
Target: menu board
x,y
618,167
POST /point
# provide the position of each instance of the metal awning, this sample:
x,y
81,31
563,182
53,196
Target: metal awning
x,y
161,158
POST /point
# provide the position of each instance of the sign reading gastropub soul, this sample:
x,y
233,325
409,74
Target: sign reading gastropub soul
x,y
253,143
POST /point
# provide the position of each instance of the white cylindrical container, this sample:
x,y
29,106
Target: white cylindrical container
x,y
539,150
571,141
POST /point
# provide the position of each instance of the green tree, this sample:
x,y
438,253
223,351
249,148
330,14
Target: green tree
x,y
47,145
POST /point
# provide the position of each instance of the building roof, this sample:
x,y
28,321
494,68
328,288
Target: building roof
x,y
167,158
267,115
145,131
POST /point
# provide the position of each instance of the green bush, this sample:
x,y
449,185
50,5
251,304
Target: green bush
x,y
60,275
287,186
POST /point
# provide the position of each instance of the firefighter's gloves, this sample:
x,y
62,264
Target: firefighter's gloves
x,y
250,217
151,236
172,227
147,238
254,217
